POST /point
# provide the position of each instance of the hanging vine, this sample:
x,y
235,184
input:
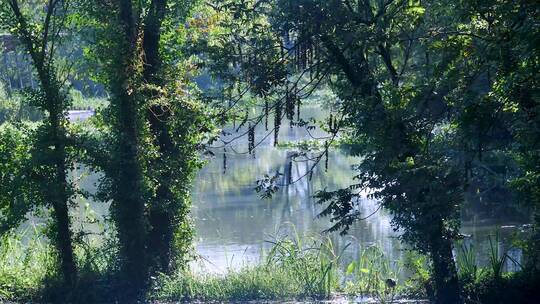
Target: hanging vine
x,y
277,123
290,102
224,160
251,138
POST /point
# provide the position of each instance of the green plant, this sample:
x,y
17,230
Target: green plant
x,y
81,102
25,261
419,284
497,259
466,262
373,274
312,265
297,267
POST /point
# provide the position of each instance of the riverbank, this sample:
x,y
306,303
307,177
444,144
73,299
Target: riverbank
x,y
295,270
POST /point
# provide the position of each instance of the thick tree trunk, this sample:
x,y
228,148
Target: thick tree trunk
x,y
129,197
160,239
61,213
445,273
129,216
63,241
162,214
128,181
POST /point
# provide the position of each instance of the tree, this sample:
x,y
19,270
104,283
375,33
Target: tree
x,y
507,37
124,182
405,79
40,33
430,93
177,125
394,88
156,125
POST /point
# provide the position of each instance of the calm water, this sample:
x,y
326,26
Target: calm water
x,y
233,224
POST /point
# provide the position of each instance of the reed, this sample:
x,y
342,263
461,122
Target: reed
x,y
293,268
497,259
25,262
466,262
373,274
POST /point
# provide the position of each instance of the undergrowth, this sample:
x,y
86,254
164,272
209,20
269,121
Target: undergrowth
x,y
293,268
296,267
25,263
81,102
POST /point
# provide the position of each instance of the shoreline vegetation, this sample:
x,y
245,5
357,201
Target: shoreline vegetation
x,y
295,268
436,103
13,107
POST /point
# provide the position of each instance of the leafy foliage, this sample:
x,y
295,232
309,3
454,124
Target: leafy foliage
x,y
38,32
418,86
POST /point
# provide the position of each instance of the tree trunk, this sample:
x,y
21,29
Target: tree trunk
x,y
129,198
160,239
445,273
127,171
163,214
60,205
63,241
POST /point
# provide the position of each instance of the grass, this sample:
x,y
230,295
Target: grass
x,y
294,268
373,274
497,259
25,262
491,284
516,287
259,282
80,102
28,270
467,264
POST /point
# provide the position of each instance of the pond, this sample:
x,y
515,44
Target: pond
x,y
234,224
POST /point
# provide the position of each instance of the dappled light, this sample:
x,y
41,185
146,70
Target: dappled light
x,y
300,151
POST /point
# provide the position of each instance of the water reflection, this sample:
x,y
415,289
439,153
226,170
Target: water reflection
x,y
232,222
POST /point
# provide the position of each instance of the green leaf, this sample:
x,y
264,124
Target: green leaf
x,y
351,267
364,270
417,10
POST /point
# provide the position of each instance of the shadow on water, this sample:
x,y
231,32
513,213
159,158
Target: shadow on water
x,y
233,222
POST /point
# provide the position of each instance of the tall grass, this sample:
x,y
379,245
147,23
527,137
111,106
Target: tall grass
x,y
25,262
293,268
492,283
467,264
497,259
468,267
296,267
29,272
373,274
